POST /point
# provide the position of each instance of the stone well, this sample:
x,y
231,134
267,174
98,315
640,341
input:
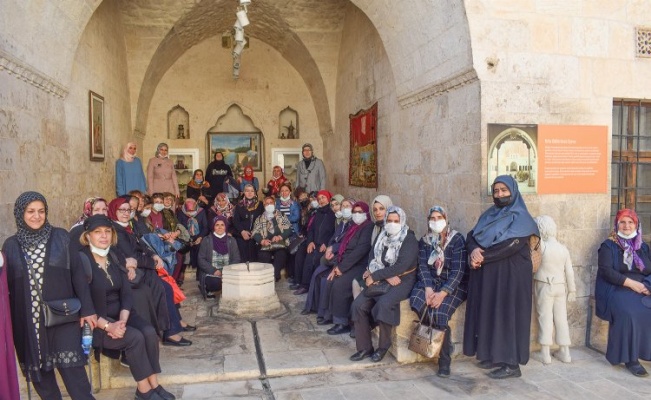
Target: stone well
x,y
248,289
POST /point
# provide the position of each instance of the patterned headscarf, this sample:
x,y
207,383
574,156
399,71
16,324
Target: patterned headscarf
x,y
249,204
227,210
191,209
630,246
391,242
28,237
160,145
437,256
88,208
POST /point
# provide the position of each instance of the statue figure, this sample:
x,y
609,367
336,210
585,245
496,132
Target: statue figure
x,y
554,287
290,130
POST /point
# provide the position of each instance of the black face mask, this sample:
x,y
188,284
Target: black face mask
x,y
379,223
502,201
305,202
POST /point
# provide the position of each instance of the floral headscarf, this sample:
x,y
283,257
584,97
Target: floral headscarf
x,y
88,208
630,246
227,210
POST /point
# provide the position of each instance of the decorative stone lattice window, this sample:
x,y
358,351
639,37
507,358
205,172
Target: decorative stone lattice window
x,y
631,161
643,42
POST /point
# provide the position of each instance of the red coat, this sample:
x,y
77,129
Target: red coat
x,y
274,185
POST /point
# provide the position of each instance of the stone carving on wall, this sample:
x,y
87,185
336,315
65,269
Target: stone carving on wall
x,y
643,42
288,124
178,123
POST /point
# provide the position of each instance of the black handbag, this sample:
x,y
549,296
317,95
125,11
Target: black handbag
x,y
377,289
296,243
59,312
274,246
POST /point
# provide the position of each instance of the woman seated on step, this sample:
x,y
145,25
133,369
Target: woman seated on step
x,y
215,252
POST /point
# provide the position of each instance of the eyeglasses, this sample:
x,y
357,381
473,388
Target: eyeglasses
x,y
124,210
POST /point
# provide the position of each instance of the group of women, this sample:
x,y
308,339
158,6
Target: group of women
x,y
355,261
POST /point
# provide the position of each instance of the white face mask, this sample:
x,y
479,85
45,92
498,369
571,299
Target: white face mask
x,y
218,235
437,226
284,198
270,208
132,215
314,204
98,251
359,218
158,207
623,236
392,228
338,214
346,212
145,213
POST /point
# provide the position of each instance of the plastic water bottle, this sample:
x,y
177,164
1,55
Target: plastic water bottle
x,y
86,338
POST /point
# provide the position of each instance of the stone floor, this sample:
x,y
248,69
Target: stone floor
x,y
299,360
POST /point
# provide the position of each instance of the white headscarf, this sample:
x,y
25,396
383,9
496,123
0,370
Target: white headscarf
x,y
391,242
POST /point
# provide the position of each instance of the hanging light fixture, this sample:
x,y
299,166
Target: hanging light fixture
x,y
240,41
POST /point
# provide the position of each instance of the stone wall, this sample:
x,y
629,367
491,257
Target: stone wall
x,y
44,136
201,81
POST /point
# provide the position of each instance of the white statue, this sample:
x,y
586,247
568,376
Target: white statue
x,y
554,286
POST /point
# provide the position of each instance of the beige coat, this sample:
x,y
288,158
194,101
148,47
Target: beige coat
x,y
161,176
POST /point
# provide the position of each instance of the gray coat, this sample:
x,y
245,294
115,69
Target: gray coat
x,y
312,178
205,256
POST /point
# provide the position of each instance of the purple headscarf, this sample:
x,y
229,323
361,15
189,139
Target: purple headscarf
x,y
353,229
220,245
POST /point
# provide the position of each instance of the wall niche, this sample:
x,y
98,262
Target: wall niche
x,y
178,123
288,124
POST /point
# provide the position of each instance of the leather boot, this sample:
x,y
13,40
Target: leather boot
x,y
445,357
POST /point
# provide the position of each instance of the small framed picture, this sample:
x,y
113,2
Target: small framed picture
x,y
96,118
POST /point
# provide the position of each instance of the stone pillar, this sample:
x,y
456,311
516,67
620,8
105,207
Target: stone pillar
x,y
248,289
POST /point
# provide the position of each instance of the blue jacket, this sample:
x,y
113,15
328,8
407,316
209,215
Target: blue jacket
x,y
294,215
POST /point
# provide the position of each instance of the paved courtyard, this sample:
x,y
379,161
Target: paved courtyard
x,y
288,356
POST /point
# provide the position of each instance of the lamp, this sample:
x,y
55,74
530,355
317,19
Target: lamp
x,y
245,2
242,18
239,47
239,34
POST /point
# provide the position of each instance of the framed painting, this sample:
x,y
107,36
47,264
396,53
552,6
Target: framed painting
x,y
362,170
96,125
240,149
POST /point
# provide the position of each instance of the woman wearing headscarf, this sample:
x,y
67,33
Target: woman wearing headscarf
x,y
161,176
38,270
223,207
319,232
392,264
317,295
271,229
153,298
215,252
249,179
193,218
246,212
92,206
442,281
118,328
129,174
622,293
199,189
278,178
216,173
498,313
8,375
352,259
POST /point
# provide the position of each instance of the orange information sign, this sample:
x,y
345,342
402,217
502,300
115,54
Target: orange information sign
x,y
573,159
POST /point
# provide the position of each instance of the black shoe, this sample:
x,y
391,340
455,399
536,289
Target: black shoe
x,y
338,329
360,355
150,395
443,372
164,393
306,312
505,372
210,296
300,291
323,321
294,286
636,369
486,364
290,280
177,343
379,355
190,328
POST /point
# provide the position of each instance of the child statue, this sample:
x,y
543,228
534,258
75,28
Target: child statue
x,y
554,286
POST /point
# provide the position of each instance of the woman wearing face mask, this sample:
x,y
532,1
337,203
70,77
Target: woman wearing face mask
x,y
215,252
246,212
317,295
198,189
392,259
622,293
117,327
335,204
128,172
319,232
161,176
351,260
271,231
498,322
249,179
193,218
38,269
441,284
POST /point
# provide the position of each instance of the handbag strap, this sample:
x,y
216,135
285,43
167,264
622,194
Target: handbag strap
x,y
37,284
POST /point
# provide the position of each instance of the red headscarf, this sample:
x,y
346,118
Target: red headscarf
x,y
248,173
325,193
113,211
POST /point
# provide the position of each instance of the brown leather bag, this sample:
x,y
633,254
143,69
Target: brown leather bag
x,y
536,252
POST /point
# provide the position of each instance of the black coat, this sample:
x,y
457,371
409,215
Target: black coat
x,y
60,345
243,219
323,226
